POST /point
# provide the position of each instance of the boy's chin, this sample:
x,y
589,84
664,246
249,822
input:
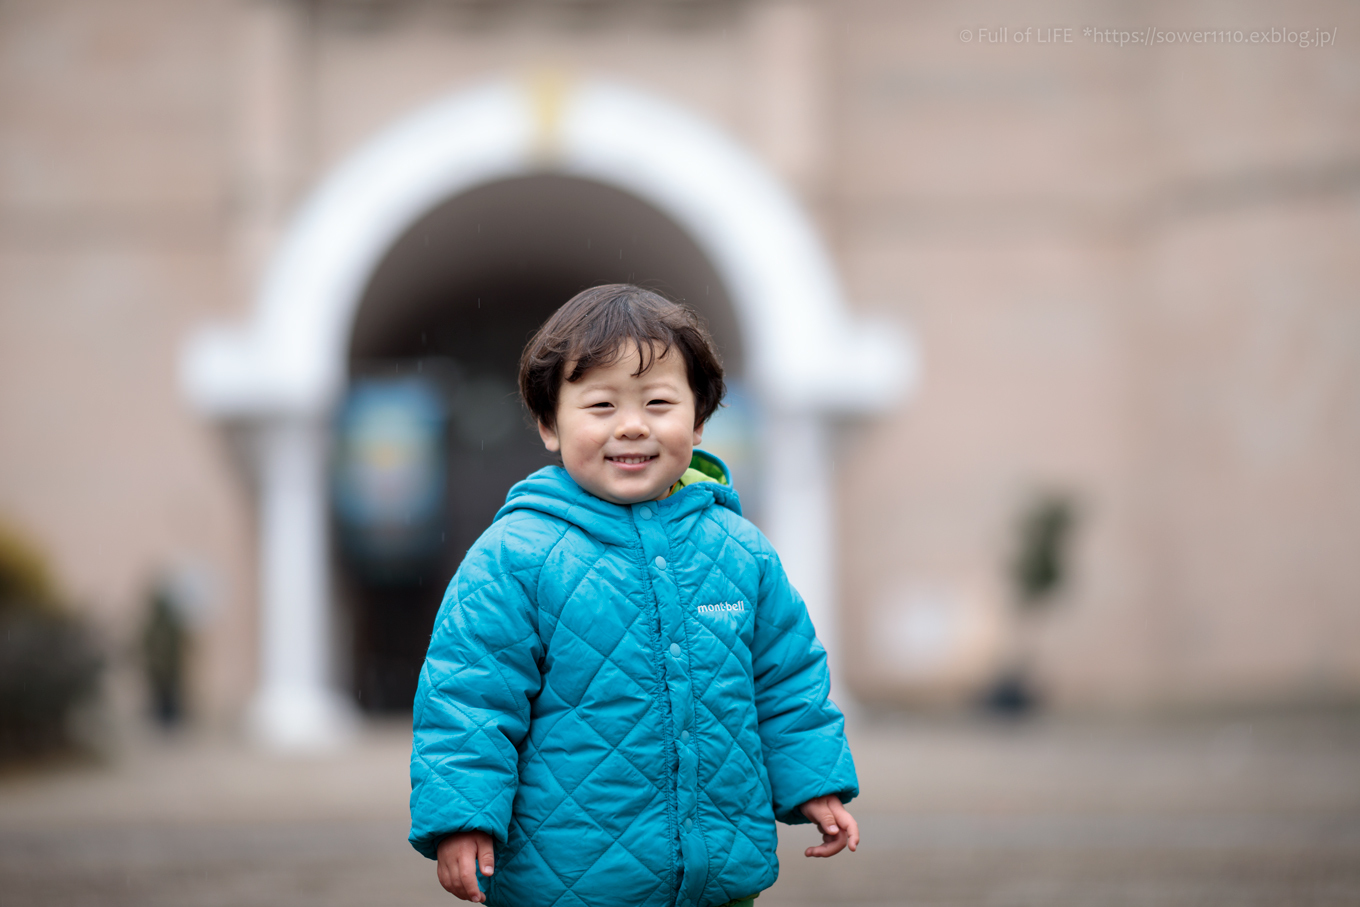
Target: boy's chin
x,y
626,494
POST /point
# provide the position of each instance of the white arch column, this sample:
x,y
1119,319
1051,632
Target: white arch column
x,y
296,705
800,520
283,372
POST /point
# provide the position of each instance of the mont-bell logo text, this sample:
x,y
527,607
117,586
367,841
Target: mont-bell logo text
x,y
719,607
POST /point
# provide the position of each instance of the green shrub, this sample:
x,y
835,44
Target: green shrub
x,y
49,660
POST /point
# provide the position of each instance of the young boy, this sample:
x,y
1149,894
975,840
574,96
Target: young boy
x,y
623,692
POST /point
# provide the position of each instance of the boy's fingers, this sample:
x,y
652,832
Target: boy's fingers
x,y
831,844
826,849
822,811
839,829
459,858
467,871
847,822
486,857
447,870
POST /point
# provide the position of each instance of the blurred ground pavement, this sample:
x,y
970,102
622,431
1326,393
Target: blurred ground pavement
x,y
1234,811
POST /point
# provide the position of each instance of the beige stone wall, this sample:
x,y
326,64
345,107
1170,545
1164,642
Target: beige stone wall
x,y
114,211
1130,271
1127,270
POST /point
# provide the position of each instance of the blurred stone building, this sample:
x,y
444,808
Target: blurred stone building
x,y
961,259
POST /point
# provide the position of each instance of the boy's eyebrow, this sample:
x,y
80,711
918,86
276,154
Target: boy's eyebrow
x,y
596,384
649,387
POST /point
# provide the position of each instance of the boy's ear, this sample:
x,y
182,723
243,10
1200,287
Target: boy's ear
x,y
549,437
698,434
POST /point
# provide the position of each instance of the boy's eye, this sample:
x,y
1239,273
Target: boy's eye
x,y
603,404
658,402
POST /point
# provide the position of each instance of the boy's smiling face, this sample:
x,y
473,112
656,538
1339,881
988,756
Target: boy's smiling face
x,y
623,437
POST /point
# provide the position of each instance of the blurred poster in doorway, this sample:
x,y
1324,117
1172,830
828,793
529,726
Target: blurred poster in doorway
x,y
390,476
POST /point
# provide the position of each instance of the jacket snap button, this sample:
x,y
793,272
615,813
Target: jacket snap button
x,y
645,512
684,736
689,823
675,649
660,562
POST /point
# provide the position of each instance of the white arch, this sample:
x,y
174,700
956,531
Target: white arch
x,y
285,369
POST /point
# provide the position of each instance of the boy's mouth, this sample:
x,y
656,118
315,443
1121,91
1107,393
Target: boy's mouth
x,y
632,460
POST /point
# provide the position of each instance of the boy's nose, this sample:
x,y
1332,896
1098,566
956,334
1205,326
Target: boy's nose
x,y
632,428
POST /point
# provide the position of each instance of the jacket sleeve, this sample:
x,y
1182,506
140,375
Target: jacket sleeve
x,y
801,730
471,709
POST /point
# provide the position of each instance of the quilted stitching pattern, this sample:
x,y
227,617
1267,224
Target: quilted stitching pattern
x,y
554,713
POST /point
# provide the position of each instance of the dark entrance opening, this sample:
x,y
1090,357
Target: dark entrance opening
x,y
452,305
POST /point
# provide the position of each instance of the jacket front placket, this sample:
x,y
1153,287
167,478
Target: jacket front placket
x,y
659,560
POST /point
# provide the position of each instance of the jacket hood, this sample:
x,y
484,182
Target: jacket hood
x,y
551,490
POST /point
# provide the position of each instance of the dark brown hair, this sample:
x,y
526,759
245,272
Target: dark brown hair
x,y
593,329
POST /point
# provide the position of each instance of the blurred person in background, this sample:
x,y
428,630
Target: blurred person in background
x,y
164,649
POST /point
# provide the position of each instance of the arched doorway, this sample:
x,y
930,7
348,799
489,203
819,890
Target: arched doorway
x,y
283,374
450,307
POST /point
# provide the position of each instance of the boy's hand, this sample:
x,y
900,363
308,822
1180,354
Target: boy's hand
x,y
459,856
837,826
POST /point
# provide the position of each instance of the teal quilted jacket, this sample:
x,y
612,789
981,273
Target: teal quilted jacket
x,y
626,698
